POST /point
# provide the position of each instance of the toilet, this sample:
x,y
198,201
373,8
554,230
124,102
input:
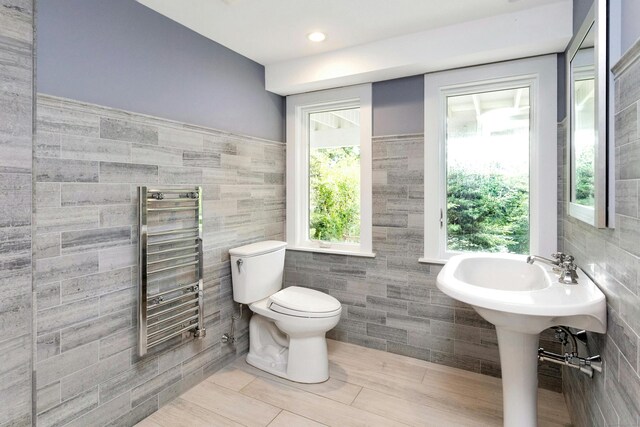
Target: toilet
x,y
288,326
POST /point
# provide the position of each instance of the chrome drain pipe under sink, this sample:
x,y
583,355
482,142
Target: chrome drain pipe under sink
x,y
586,364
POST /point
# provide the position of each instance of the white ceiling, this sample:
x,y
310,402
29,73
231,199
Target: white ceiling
x,y
373,40
269,31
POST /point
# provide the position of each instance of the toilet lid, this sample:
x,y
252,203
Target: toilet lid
x,y
303,302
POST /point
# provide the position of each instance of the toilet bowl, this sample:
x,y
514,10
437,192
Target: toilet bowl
x,y
288,326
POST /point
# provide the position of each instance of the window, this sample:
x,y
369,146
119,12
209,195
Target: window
x,y
329,171
490,159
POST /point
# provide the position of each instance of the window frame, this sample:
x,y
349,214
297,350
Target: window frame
x,y
299,107
540,75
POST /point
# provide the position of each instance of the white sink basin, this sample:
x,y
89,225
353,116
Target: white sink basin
x,y
521,300
507,285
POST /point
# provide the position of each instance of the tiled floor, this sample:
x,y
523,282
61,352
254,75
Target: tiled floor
x,y
367,388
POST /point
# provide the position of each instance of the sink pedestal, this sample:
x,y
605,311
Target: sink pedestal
x,y
519,363
521,300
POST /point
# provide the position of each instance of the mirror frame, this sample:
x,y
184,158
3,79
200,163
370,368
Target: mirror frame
x,y
596,18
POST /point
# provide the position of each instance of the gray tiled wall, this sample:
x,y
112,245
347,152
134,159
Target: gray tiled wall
x,y
613,258
391,302
88,163
16,105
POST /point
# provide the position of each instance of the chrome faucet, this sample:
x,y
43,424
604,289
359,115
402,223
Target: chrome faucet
x,y
562,264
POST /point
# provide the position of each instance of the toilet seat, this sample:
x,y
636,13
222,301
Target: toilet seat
x,y
304,302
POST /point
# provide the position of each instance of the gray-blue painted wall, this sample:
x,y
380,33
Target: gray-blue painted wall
x,y
580,10
630,23
398,106
120,54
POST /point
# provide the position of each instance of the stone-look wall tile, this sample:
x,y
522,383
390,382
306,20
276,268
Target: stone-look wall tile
x,y
61,365
15,379
47,246
201,159
14,201
111,216
48,195
184,140
118,257
128,131
391,302
99,238
153,155
138,374
63,316
82,333
65,267
55,220
91,195
629,234
627,82
613,258
104,414
94,285
47,397
128,172
179,175
136,414
85,148
155,385
47,345
626,125
627,198
86,255
70,409
47,145
93,375
51,118
64,170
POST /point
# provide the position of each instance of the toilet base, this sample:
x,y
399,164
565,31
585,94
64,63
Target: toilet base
x,y
300,359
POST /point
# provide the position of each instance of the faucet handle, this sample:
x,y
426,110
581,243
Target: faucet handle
x,y
559,256
569,273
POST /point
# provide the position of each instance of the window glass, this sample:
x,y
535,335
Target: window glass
x,y
334,176
487,171
584,141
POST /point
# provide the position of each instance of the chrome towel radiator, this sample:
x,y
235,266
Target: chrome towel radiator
x,y
171,293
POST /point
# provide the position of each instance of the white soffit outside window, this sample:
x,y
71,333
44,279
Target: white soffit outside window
x,y
298,109
540,74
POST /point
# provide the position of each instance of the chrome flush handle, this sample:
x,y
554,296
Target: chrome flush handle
x,y
239,264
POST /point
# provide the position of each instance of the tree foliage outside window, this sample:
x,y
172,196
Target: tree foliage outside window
x,y
334,194
585,186
487,212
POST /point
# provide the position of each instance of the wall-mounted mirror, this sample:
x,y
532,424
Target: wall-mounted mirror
x,y
587,113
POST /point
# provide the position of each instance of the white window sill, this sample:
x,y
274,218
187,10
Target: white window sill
x,y
432,261
332,251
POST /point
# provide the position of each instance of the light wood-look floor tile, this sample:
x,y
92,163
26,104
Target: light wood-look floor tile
x,y
233,405
182,413
366,388
334,389
287,419
309,405
232,378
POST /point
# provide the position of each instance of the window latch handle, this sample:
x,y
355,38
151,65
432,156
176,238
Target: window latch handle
x,y
441,218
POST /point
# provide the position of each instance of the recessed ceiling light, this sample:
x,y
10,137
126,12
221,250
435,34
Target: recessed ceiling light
x,y
316,36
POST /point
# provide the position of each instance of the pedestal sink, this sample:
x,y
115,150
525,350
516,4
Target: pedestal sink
x,y
521,300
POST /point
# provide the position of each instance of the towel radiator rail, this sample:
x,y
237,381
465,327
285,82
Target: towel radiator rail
x,y
165,314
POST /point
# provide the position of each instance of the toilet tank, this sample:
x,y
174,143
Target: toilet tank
x,y
257,270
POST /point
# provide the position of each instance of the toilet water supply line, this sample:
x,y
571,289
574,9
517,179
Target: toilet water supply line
x,y
586,364
230,338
